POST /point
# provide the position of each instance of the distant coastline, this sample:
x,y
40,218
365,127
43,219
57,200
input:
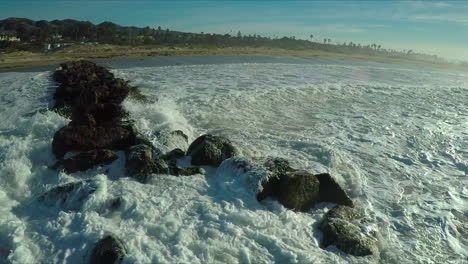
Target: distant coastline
x,y
26,59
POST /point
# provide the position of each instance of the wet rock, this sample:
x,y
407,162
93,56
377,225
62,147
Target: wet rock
x,y
87,160
173,156
211,150
108,250
167,141
70,196
345,228
178,171
171,159
331,192
271,186
85,138
298,190
141,162
84,84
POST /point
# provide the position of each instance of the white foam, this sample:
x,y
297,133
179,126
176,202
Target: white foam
x,y
394,138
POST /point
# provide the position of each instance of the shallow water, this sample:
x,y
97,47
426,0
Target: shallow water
x,y
394,136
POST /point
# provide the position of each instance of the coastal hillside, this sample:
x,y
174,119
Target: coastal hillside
x,y
33,35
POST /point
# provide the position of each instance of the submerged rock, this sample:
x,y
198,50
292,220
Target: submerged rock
x,y
108,250
87,160
343,227
70,196
331,191
211,150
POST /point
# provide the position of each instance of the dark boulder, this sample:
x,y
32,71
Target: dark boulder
x,y
108,250
277,168
345,228
141,162
331,191
298,190
85,138
87,160
70,196
211,150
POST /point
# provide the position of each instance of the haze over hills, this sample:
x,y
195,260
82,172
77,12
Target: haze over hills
x,y
34,34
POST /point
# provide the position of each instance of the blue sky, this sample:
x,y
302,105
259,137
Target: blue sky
x,y
429,26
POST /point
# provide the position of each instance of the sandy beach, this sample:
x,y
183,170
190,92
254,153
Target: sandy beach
x,y
23,59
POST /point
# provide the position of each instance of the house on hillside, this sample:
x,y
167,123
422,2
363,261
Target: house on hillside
x,y
8,36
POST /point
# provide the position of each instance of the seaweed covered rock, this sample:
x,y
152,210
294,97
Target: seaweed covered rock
x,y
109,250
85,138
70,196
87,160
345,228
211,150
331,191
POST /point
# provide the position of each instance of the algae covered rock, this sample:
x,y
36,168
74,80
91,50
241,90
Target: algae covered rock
x,y
345,228
211,150
109,250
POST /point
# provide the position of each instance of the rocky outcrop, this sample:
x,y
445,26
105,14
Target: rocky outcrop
x,y
210,150
345,227
89,87
109,250
87,160
94,96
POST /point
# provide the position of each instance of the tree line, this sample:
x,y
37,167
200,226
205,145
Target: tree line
x,y
34,34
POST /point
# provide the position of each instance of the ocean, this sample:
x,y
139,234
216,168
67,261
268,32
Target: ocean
x,y
394,136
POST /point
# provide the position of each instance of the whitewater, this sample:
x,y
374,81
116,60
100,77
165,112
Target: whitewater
x,y
394,136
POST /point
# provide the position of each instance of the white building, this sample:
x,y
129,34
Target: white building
x,y
5,37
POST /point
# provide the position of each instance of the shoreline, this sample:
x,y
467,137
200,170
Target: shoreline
x,y
25,60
